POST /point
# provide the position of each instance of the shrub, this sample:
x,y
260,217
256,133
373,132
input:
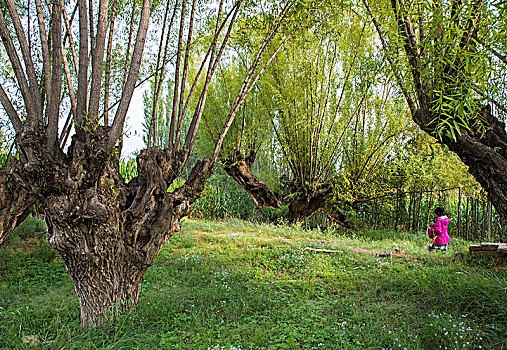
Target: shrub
x,y
224,198
30,228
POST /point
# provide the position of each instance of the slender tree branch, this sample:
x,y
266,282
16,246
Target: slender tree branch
x,y
72,94
211,51
152,128
92,29
326,168
53,110
395,71
45,49
11,111
82,78
166,49
184,77
129,44
108,63
27,56
128,89
247,87
66,129
408,36
213,64
68,34
18,71
177,77
340,99
98,59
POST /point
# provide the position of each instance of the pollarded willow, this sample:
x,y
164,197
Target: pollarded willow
x,y
108,232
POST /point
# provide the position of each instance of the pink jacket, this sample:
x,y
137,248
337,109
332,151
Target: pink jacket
x,y
439,230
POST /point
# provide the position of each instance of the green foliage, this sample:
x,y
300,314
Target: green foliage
x,y
238,285
30,228
457,58
224,198
128,169
423,164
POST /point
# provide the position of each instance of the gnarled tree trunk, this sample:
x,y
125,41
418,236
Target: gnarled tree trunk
x,y
15,204
300,207
304,205
484,153
105,271
240,169
108,232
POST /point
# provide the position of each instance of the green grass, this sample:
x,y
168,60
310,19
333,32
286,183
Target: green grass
x,y
238,285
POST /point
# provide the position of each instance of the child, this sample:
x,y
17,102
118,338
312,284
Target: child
x,y
439,231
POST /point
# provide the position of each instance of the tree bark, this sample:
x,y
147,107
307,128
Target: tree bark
x,y
240,169
107,232
15,204
106,274
304,205
485,155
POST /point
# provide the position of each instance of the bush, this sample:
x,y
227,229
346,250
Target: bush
x,y
224,198
29,228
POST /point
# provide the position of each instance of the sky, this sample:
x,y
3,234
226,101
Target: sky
x,y
133,138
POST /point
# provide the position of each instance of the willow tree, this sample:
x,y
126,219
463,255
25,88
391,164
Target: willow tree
x,y
339,125
450,61
324,90
248,134
374,141
107,232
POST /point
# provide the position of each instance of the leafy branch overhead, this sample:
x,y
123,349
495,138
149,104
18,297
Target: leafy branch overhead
x,y
449,63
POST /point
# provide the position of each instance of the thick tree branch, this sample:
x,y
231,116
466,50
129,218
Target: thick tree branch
x,y
15,204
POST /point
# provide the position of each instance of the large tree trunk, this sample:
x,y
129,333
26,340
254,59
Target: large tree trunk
x,y
484,153
108,232
240,169
304,205
106,273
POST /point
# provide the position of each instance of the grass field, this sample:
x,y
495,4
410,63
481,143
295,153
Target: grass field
x,y
238,285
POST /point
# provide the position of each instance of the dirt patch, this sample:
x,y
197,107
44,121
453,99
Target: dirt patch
x,y
396,253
